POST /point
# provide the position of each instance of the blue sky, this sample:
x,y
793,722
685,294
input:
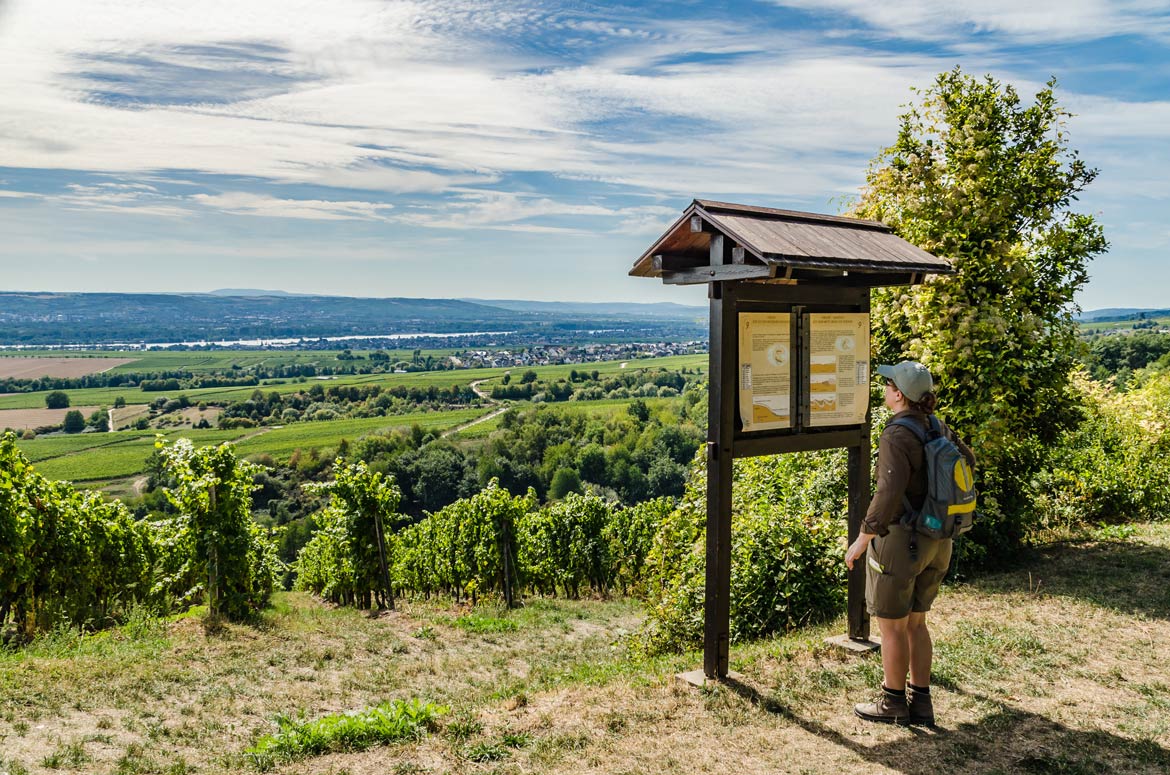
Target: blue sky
x,y
513,149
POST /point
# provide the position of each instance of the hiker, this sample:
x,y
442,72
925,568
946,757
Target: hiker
x,y
904,568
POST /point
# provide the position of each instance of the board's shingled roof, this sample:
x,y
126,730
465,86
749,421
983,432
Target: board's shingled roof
x,y
790,238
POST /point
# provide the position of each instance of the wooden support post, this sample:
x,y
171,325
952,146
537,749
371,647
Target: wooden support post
x,y
859,482
858,503
720,439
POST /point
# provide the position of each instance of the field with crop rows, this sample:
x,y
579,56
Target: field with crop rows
x,y
94,457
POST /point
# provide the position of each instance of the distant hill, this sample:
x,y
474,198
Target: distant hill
x,y
660,310
1119,314
227,315
252,292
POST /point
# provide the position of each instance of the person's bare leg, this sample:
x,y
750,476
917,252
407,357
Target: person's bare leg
x,y
896,651
921,649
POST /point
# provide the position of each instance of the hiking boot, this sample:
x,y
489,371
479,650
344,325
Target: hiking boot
x,y
889,708
921,707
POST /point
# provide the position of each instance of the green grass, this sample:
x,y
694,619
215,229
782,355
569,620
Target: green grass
x,y
388,723
1066,678
48,447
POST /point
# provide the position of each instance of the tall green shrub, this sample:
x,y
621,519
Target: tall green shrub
x,y
980,177
787,533
1115,465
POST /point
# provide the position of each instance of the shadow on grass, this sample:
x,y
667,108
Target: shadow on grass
x,y
1131,578
1005,740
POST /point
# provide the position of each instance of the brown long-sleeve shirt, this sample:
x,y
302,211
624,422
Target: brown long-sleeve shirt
x,y
901,471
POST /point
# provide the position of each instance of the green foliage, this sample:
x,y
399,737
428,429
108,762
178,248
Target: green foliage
x,y
786,570
564,481
565,545
391,722
983,179
74,422
346,558
469,547
1113,467
67,556
1109,355
630,535
211,489
57,399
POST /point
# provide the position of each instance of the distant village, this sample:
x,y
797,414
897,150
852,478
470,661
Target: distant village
x,y
565,354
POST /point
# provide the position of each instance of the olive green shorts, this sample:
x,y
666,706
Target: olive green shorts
x,y
894,584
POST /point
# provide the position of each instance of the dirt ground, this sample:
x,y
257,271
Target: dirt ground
x,y
15,367
20,419
1055,666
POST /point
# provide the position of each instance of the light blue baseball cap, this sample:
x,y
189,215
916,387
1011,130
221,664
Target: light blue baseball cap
x,y
911,377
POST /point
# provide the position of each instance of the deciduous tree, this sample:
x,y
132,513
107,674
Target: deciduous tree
x,y
981,177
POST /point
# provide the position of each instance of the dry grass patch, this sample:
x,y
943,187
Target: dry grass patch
x,y
1057,667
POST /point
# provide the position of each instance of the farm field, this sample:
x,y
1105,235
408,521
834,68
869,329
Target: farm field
x,y
20,419
105,457
15,367
1054,666
1160,321
94,457
106,396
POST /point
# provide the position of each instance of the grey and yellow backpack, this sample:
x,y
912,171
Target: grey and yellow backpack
x,y
949,508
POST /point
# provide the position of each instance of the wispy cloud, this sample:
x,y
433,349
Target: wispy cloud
x,y
241,203
1035,21
450,116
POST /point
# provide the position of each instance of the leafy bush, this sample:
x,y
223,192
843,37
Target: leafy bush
x,y
988,180
344,560
467,548
1115,466
564,545
786,569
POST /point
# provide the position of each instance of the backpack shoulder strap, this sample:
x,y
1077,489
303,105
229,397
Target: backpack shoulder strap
x,y
906,422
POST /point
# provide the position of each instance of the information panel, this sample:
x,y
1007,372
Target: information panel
x,y
765,370
838,368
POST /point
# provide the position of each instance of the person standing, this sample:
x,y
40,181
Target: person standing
x,y
903,569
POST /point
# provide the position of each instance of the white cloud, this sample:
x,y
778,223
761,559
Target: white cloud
x,y
242,203
1042,21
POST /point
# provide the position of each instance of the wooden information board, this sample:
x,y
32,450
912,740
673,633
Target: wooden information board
x,y
765,370
838,372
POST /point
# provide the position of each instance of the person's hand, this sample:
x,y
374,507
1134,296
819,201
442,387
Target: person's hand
x,y
857,548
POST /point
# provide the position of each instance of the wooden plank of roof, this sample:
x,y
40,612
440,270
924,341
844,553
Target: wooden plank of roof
x,y
808,241
711,206
789,238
